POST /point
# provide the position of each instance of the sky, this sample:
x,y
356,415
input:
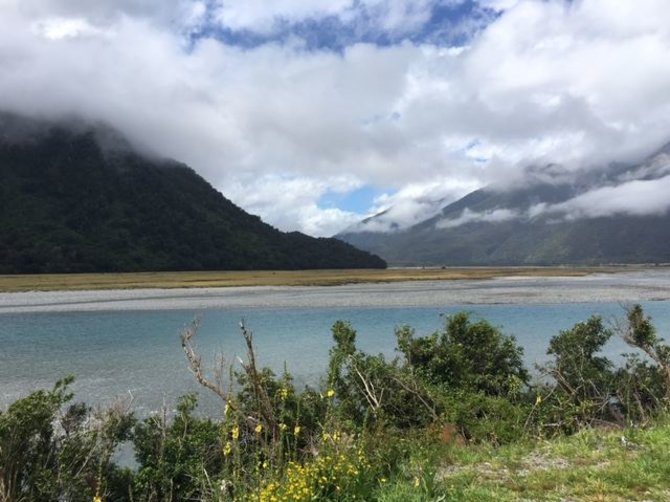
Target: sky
x,y
317,114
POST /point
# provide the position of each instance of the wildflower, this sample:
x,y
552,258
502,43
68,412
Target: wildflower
x,y
259,428
97,498
282,427
283,393
236,432
330,393
226,409
296,430
538,400
416,482
227,449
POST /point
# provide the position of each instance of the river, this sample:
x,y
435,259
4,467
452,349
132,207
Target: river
x,y
125,344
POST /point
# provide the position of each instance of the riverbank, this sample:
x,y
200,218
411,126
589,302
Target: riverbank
x,y
626,286
219,279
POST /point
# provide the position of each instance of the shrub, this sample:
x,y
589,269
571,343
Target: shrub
x,y
176,458
373,392
643,384
48,454
467,356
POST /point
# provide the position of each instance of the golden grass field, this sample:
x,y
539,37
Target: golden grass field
x,y
213,279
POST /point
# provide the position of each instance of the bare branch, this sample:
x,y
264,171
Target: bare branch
x,y
195,362
369,391
264,404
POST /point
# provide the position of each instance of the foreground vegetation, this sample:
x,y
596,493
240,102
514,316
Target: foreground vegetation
x,y
69,282
455,417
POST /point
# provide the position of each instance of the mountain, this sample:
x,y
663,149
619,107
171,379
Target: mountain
x,y
553,218
79,198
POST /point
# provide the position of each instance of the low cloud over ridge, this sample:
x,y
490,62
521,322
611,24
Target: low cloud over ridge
x,y
278,124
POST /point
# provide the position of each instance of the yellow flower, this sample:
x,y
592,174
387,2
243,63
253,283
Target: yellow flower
x,y
296,430
416,482
259,428
538,400
227,449
282,427
283,393
236,432
330,393
97,498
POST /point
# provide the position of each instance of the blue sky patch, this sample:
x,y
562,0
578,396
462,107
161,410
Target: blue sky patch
x,y
357,201
448,25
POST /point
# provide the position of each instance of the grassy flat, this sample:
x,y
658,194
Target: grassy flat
x,y
213,279
594,465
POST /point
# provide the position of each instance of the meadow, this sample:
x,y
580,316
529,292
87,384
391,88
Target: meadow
x,y
211,279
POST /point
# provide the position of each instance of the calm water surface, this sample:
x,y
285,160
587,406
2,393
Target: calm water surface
x,y
129,344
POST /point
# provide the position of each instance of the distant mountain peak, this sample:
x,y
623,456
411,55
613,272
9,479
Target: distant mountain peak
x,y
614,214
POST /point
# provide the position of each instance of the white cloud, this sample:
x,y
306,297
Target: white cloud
x,y
633,198
499,4
290,203
576,83
468,216
260,16
414,203
58,28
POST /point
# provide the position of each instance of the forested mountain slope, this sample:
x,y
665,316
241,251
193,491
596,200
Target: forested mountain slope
x,y
79,199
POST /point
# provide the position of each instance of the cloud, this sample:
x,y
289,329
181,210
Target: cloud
x,y
572,83
414,203
290,203
641,191
58,28
632,198
468,216
259,16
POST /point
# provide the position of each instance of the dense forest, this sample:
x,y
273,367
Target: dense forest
x,y
71,200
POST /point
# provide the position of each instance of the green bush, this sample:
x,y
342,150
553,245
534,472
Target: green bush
x,y
467,356
483,418
643,384
177,458
47,454
373,392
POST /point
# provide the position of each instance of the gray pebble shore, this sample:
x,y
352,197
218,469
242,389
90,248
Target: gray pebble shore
x,y
625,287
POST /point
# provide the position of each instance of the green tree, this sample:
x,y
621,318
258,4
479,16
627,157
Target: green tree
x,y
466,355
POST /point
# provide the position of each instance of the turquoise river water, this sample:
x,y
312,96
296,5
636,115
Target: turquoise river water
x,y
126,344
